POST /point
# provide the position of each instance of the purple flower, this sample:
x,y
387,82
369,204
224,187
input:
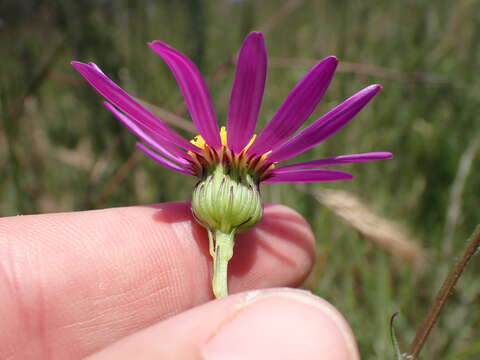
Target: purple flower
x,y
231,163
259,154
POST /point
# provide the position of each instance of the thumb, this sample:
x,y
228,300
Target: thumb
x,y
264,324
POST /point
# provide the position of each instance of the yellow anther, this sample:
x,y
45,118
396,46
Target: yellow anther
x,y
223,135
250,142
199,141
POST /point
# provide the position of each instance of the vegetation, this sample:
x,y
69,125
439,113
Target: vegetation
x,y
60,150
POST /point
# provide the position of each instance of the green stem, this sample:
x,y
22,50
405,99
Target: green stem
x,y
222,254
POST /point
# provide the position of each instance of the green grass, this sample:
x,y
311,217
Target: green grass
x,y
60,149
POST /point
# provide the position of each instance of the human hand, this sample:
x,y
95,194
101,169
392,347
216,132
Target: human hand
x,y
131,281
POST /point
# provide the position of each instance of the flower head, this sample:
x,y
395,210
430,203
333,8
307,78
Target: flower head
x,y
232,162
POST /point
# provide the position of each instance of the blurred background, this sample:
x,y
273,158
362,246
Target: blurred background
x,y
385,240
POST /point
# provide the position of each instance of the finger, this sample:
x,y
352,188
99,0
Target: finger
x,y
269,324
72,283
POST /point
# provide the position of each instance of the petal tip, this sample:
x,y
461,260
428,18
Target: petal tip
x,y
81,65
108,105
330,61
255,34
328,64
332,58
256,39
376,87
157,45
77,64
343,175
151,44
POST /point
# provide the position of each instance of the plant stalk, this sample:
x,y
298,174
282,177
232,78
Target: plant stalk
x,y
221,249
442,296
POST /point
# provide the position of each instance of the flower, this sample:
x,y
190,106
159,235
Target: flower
x,y
231,163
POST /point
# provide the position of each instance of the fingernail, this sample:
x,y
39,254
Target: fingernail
x,y
286,325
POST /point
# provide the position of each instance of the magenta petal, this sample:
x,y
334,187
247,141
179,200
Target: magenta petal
x,y
128,105
194,91
155,142
297,107
247,91
325,126
278,175
341,159
163,161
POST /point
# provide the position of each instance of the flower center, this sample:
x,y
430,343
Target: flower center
x,y
199,141
209,159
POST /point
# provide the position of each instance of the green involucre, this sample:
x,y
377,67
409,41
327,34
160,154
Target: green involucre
x,y
227,199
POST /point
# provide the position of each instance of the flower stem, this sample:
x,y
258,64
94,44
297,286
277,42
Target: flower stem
x,y
442,296
222,252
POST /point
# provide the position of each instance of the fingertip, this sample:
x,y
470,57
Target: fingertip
x,y
263,324
263,329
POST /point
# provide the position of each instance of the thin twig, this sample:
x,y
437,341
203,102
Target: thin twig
x,y
284,11
442,296
13,114
118,177
169,117
363,69
37,81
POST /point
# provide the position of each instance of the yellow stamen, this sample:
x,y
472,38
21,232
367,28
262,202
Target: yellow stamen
x,y
223,135
250,142
240,159
199,141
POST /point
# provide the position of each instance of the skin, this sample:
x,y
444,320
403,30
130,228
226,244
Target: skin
x,y
134,283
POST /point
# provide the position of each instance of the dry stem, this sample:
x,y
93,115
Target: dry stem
x,y
442,296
